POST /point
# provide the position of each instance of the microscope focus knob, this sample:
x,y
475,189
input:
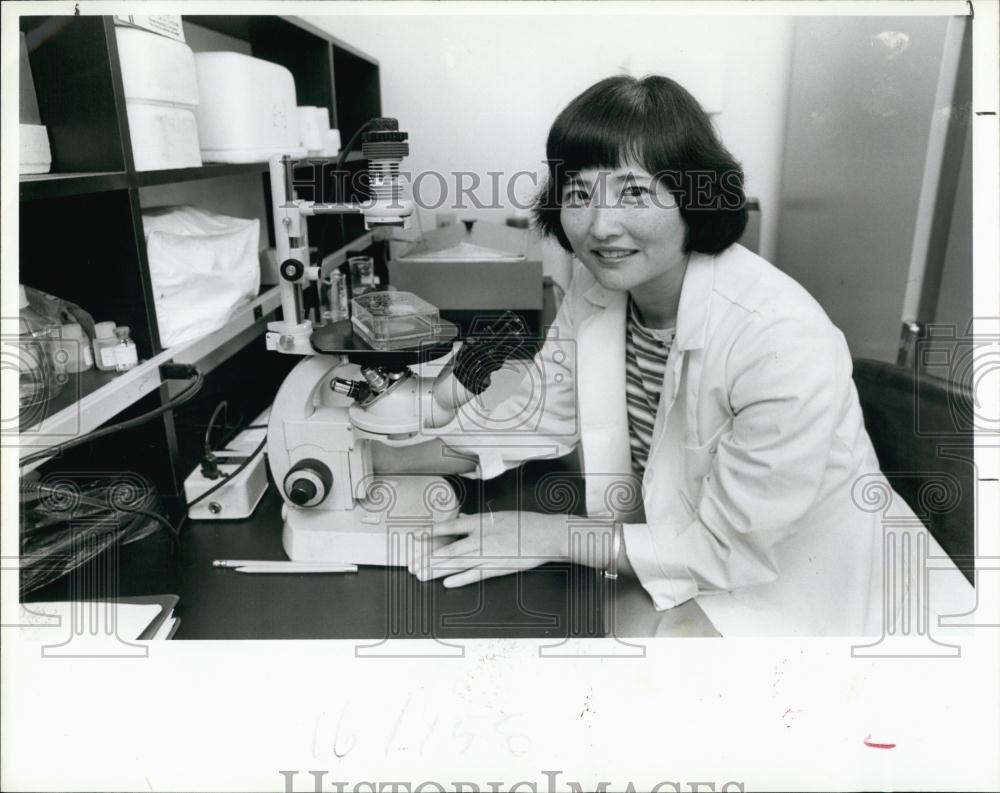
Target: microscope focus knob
x,y
303,491
307,483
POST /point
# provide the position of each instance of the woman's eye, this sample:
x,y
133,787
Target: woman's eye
x,y
635,191
575,197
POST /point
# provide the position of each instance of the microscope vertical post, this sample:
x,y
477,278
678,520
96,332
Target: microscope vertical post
x,y
284,211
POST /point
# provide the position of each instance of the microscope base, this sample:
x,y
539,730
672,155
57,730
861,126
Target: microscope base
x,y
378,530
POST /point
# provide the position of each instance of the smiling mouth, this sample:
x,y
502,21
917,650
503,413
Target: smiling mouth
x,y
612,255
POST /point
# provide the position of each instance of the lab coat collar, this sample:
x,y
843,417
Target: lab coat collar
x,y
600,296
696,293
692,312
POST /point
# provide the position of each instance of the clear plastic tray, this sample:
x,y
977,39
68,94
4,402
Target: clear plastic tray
x,y
394,320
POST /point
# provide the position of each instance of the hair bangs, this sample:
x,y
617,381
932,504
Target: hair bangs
x,y
602,131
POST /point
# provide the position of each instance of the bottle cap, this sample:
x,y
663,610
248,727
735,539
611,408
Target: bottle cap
x,y
73,331
122,332
104,330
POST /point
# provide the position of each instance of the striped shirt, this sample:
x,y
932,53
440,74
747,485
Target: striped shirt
x,y
646,351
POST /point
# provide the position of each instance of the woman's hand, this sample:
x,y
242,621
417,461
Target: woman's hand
x,y
491,545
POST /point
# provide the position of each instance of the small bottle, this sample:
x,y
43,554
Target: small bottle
x,y
336,308
362,274
74,348
126,355
104,346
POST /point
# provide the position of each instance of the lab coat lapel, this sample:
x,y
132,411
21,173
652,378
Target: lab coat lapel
x,y
682,366
601,394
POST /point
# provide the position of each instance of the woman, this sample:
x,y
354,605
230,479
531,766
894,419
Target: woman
x,y
684,361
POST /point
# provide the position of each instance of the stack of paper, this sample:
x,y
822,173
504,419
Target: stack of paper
x,y
147,618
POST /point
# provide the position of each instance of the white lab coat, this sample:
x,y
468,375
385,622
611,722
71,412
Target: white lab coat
x,y
758,494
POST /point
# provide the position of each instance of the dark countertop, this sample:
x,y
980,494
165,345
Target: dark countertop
x,y
552,601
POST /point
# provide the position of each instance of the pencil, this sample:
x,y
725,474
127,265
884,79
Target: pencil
x,y
294,569
278,563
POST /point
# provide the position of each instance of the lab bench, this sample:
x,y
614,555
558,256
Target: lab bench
x,y
555,601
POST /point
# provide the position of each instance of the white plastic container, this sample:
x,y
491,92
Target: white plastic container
x,y
310,130
34,156
314,129
33,139
248,111
161,94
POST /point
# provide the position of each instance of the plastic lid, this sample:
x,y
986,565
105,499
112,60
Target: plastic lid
x,y
394,320
104,330
23,296
72,331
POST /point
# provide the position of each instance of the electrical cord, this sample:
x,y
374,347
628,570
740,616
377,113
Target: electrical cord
x,y
209,462
344,152
185,396
226,479
223,405
93,502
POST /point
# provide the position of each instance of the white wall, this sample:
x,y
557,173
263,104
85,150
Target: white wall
x,y
478,93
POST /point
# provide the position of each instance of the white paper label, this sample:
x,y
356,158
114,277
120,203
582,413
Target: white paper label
x,y
108,359
126,356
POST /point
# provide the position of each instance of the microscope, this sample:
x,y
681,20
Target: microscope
x,y
359,383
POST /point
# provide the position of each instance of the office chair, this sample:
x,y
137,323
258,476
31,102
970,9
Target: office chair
x,y
922,431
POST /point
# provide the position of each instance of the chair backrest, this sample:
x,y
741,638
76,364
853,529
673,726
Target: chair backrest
x,y
922,431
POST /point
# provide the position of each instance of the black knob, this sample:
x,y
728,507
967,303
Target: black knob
x,y
292,269
307,483
384,130
302,492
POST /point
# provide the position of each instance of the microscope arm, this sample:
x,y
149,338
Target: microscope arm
x,y
431,457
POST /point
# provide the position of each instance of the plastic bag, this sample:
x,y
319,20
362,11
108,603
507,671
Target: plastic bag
x,y
59,311
202,265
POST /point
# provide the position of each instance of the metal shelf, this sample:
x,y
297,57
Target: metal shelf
x,y
56,185
215,170
211,171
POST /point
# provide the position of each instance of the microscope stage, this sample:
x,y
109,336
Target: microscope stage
x,y
339,338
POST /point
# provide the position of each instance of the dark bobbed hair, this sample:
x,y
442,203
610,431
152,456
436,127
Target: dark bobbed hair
x,y
654,122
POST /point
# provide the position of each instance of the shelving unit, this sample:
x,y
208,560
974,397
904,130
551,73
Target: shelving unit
x,y
81,235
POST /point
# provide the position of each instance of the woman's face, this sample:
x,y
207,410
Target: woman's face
x,y
624,228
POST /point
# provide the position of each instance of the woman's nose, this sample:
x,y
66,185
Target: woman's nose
x,y
604,223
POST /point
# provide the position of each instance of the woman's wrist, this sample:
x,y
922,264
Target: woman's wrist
x,y
597,543
592,542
